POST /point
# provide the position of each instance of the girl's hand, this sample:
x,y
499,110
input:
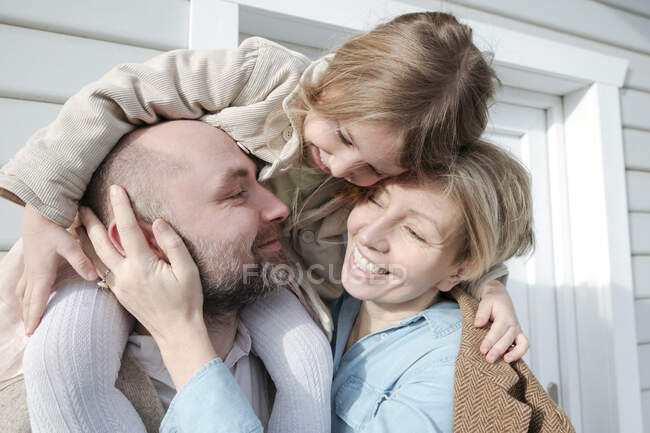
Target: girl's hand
x,y
505,335
46,245
166,298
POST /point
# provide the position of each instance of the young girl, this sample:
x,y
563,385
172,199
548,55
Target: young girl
x,y
401,97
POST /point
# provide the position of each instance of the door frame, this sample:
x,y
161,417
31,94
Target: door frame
x,y
593,271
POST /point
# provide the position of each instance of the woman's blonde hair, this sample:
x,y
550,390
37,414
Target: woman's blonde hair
x,y
493,193
422,74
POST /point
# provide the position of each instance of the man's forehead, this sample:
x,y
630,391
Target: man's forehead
x,y
193,140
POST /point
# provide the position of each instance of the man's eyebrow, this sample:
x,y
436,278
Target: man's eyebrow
x,y
231,175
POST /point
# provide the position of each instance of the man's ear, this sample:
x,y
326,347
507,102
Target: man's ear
x,y
114,236
451,281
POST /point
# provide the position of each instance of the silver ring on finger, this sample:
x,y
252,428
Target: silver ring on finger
x,y
103,280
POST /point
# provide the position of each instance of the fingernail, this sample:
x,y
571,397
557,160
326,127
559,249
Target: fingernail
x,y
92,275
114,190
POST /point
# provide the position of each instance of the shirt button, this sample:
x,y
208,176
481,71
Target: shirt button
x,y
287,133
384,335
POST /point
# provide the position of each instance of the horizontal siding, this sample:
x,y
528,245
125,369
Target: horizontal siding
x,y
585,18
637,149
19,120
535,22
638,188
635,6
642,320
635,109
644,366
641,267
48,67
160,24
640,232
10,223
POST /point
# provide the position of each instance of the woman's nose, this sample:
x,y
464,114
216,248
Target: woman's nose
x,y
375,236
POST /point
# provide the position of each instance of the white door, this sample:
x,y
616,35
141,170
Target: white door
x,y
522,130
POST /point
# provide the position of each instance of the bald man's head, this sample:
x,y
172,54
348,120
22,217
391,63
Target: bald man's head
x,y
147,161
196,178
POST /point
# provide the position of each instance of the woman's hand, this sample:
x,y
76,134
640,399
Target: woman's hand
x,y
166,298
46,245
159,294
505,334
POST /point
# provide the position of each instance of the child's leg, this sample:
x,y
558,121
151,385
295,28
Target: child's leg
x,y
298,357
72,361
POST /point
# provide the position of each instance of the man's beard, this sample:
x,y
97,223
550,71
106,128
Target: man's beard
x,y
224,269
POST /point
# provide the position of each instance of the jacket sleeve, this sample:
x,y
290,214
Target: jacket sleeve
x,y
52,170
211,401
498,272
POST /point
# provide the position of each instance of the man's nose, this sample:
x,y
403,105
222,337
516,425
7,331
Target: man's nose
x,y
272,208
375,235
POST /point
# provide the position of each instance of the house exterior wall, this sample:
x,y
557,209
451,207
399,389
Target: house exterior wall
x,y
51,49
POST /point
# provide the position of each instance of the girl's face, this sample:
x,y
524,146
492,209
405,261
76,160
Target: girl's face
x,y
362,152
402,245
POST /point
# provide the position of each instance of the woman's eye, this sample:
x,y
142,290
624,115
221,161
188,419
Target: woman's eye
x,y
342,138
414,234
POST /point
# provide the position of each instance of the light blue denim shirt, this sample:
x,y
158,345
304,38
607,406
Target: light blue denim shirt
x,y
400,379
211,401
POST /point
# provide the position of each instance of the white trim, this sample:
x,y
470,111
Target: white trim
x,y
555,60
213,24
602,270
570,390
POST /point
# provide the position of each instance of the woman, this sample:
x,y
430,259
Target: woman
x,y
410,242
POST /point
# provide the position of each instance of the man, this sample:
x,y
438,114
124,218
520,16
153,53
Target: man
x,y
195,177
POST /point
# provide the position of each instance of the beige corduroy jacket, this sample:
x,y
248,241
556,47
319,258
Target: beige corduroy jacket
x,y
234,90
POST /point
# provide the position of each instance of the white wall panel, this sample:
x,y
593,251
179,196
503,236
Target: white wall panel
x,y
635,109
640,232
638,190
643,321
641,269
638,73
161,24
637,149
50,67
644,365
19,120
586,18
634,6
10,223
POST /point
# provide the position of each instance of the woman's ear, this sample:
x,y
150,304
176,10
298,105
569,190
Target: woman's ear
x,y
451,281
114,236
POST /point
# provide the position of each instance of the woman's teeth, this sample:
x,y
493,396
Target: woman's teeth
x,y
366,265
